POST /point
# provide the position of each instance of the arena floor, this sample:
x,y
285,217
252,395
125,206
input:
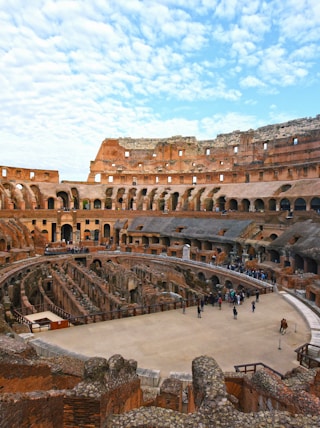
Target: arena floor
x,y
169,341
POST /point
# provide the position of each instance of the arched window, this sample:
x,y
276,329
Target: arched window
x,y
285,204
315,204
300,205
97,204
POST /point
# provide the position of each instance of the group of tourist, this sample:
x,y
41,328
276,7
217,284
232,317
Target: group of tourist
x,y
233,297
253,273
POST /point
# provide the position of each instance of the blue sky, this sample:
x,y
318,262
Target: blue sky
x,y
75,72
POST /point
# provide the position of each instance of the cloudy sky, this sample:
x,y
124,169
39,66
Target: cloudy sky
x,y
75,72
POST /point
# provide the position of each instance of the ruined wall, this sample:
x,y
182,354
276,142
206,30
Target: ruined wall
x,y
214,405
27,174
36,377
187,161
34,409
108,387
170,396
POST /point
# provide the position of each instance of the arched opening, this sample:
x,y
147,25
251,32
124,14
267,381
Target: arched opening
x,y
97,263
165,241
273,236
300,205
106,231
221,203
298,262
145,241
315,204
37,195
252,252
233,205
228,284
120,198
97,204
201,276
274,256
162,204
215,280
108,200
285,204
75,196
86,204
65,199
66,233
259,205
132,198
174,200
108,204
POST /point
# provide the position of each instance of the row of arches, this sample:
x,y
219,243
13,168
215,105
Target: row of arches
x,y
22,196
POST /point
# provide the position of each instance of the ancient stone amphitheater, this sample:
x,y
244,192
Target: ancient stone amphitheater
x,y
160,224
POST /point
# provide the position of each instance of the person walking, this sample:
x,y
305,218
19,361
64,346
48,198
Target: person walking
x,y
235,313
257,295
183,306
220,302
199,312
253,306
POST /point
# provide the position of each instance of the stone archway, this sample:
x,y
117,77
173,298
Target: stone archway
x,y
315,204
285,204
66,233
259,205
65,198
300,205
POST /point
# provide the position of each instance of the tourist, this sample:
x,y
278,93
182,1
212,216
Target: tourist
x,y
183,306
257,295
235,313
253,306
199,312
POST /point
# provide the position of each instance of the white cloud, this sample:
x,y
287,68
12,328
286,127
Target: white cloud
x,y
74,72
251,82
221,124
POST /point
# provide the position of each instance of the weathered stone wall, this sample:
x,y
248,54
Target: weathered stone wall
x,y
35,377
170,396
23,174
286,143
214,406
33,409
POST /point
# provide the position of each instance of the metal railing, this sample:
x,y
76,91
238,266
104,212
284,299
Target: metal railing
x,y
252,368
308,355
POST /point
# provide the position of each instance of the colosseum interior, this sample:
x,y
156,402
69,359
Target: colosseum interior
x,y
203,212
